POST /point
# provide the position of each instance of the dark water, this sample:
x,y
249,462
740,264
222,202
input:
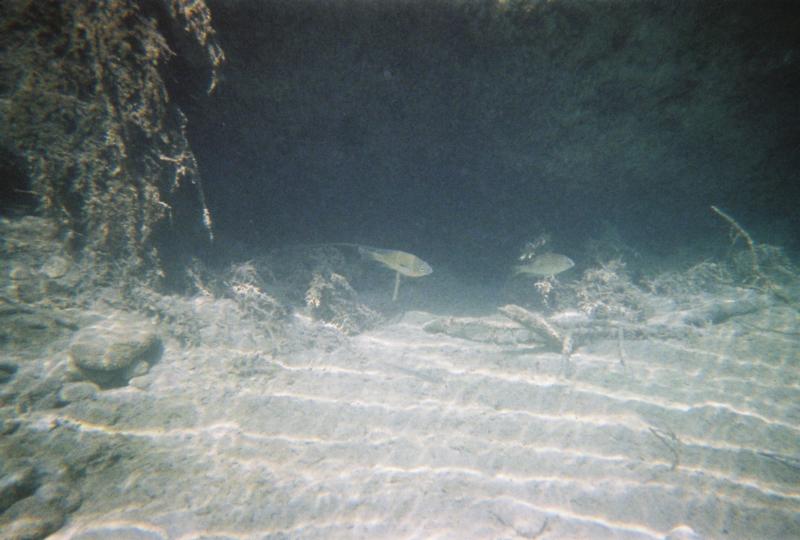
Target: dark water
x,y
459,131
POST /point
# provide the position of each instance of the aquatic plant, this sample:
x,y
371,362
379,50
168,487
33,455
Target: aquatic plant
x,y
248,290
86,108
331,299
606,291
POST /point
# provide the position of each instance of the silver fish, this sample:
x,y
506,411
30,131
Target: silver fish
x,y
405,263
545,265
401,262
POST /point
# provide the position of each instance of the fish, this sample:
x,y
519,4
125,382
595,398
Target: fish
x,y
404,263
401,262
545,265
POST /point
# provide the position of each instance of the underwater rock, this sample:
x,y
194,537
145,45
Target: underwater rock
x,y
38,491
34,264
26,283
40,395
29,519
113,350
59,494
7,371
56,267
77,391
140,382
17,481
8,425
34,499
28,328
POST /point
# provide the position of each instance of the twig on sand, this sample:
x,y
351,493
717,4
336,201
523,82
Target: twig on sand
x,y
740,232
790,461
543,328
671,441
771,330
536,322
542,529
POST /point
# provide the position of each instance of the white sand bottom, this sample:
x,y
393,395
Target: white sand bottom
x,y
398,433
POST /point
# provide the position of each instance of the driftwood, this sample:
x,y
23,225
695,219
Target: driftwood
x,y
548,333
558,334
565,334
739,232
761,280
482,330
720,311
677,323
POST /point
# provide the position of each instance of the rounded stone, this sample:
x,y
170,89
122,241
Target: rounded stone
x,y
21,272
112,345
60,495
56,266
7,371
77,391
31,519
109,351
17,481
27,284
142,382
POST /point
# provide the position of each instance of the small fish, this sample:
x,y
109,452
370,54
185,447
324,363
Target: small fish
x,y
545,265
399,261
